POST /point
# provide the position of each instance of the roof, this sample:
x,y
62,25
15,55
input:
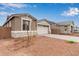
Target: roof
x,y
50,22
14,15
66,23
77,27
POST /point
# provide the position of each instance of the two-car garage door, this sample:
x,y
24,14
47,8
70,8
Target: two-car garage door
x,y
42,29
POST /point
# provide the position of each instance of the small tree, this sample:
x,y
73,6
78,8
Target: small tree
x,y
28,35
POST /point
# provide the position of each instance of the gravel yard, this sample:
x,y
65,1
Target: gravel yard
x,y
39,46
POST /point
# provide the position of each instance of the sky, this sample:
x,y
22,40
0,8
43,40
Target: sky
x,y
56,12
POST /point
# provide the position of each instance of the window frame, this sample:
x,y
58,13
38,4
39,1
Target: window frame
x,y
26,25
25,18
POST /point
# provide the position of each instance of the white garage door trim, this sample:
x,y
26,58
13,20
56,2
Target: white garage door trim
x,y
42,29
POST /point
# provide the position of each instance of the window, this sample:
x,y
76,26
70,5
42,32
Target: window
x,y
65,29
25,25
65,26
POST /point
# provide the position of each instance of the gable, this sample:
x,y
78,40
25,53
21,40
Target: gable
x,y
19,15
43,23
70,23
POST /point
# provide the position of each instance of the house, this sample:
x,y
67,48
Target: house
x,y
43,27
48,27
21,25
76,29
66,27
55,28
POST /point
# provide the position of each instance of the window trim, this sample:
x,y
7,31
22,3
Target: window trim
x,y
24,18
25,25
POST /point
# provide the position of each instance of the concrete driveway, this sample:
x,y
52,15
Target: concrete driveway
x,y
63,37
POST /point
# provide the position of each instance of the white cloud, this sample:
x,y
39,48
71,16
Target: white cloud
x,y
71,12
3,13
14,5
11,6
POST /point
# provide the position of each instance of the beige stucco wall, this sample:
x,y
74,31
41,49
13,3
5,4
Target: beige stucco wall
x,y
16,24
68,31
34,25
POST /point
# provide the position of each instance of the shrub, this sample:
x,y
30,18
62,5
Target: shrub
x,y
71,41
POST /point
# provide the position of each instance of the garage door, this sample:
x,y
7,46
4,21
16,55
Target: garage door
x,y
42,29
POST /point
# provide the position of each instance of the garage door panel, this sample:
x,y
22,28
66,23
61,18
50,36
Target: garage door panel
x,y
42,29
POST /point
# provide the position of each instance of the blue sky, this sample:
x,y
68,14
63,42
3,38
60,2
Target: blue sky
x,y
56,12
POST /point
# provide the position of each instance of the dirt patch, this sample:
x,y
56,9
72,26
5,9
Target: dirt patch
x,y
39,45
11,46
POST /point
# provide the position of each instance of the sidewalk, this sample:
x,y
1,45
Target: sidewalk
x,y
64,37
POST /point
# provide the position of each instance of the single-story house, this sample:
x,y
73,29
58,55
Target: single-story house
x,y
76,29
43,27
66,27
21,25
49,27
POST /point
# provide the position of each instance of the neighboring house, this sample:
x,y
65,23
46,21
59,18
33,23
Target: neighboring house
x,y
55,29
66,27
43,27
21,24
76,29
